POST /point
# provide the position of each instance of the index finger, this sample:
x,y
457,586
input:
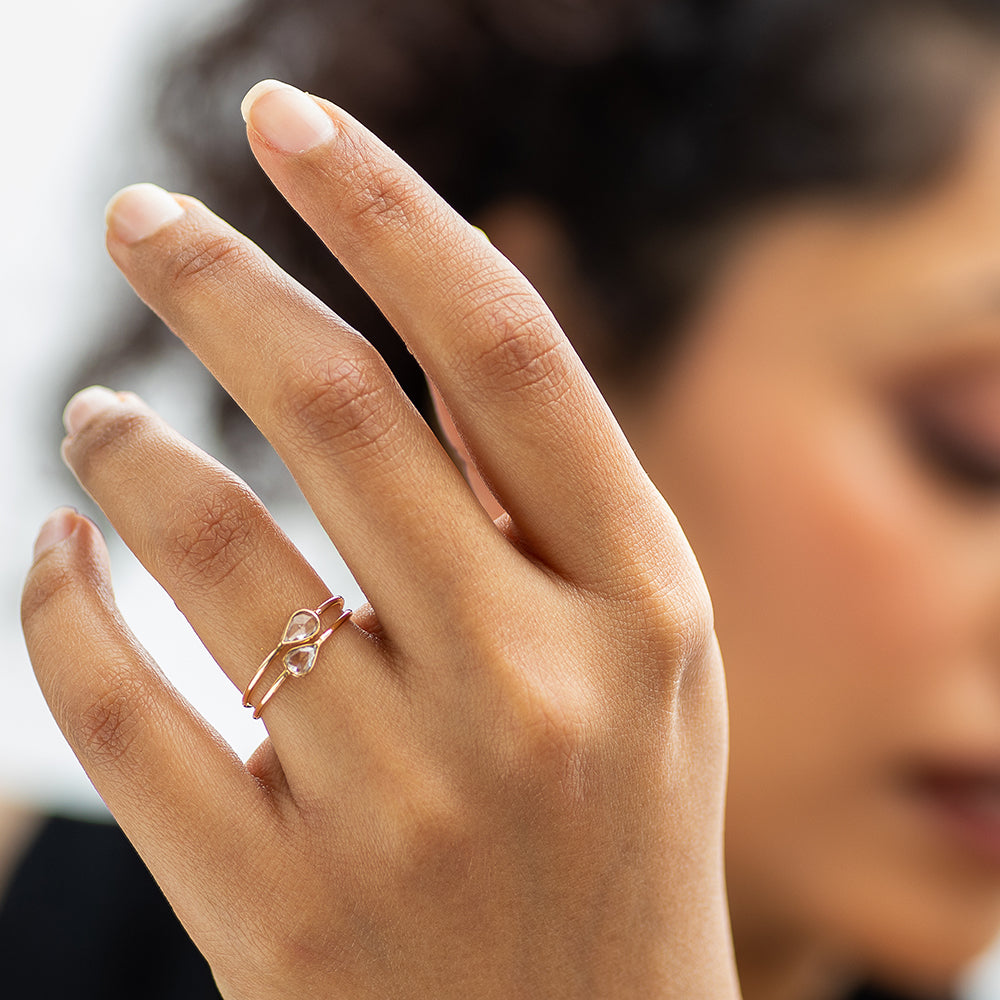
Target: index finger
x,y
539,429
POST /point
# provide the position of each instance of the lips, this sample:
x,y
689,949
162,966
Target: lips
x,y
966,805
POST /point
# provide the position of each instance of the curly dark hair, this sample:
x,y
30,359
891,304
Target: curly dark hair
x,y
651,129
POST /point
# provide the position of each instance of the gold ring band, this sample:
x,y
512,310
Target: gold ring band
x,y
299,646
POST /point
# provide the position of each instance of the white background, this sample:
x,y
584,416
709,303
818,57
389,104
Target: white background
x,y
80,89
78,95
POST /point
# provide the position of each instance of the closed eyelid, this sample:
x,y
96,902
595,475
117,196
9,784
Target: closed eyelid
x,y
956,445
965,399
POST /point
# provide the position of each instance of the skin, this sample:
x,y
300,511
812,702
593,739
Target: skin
x,y
505,778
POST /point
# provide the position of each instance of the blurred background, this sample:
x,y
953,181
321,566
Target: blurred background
x,y
89,74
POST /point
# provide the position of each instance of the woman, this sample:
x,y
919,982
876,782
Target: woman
x,y
771,231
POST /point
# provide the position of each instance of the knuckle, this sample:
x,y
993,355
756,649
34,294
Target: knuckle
x,y
436,840
286,943
660,596
213,534
380,198
671,631
348,402
685,617
206,260
523,354
289,951
547,742
698,623
554,740
109,730
699,647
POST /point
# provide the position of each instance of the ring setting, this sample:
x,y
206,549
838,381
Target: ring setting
x,y
298,649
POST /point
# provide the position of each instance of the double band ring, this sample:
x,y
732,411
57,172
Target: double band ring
x,y
298,647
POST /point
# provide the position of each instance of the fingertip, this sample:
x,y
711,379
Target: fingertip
x,y
67,529
139,211
56,529
285,117
257,90
69,551
87,404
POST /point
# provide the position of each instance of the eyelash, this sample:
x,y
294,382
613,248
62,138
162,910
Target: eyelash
x,y
954,458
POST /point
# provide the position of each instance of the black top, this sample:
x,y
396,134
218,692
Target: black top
x,y
874,993
84,920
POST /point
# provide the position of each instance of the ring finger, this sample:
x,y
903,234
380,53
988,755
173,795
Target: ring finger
x,y
233,573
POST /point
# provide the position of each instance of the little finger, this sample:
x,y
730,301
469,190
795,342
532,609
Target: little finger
x,y
171,781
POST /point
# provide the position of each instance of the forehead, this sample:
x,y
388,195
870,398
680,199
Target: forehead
x,y
903,282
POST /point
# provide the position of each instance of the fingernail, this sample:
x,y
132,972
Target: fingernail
x,y
58,525
287,118
139,210
85,405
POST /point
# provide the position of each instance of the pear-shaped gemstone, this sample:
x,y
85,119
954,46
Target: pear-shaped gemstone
x,y
303,625
300,660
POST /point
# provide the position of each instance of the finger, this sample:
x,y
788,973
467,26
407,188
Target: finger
x,y
540,431
382,486
233,573
170,780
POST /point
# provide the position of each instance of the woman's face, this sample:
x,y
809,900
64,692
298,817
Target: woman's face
x,y
830,441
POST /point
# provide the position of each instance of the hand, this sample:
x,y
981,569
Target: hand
x,y
503,778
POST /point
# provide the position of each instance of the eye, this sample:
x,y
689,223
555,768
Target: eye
x,y
951,416
962,458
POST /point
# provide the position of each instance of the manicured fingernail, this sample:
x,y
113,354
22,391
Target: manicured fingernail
x,y
140,210
287,118
58,525
85,405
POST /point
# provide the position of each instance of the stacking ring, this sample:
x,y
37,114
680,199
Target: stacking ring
x,y
299,646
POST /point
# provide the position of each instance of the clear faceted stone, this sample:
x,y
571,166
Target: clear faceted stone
x,y
300,660
301,626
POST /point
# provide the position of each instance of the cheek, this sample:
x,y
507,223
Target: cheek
x,y
822,560
844,582
850,610
839,556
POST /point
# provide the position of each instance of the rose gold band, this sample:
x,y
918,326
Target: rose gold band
x,y
298,647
